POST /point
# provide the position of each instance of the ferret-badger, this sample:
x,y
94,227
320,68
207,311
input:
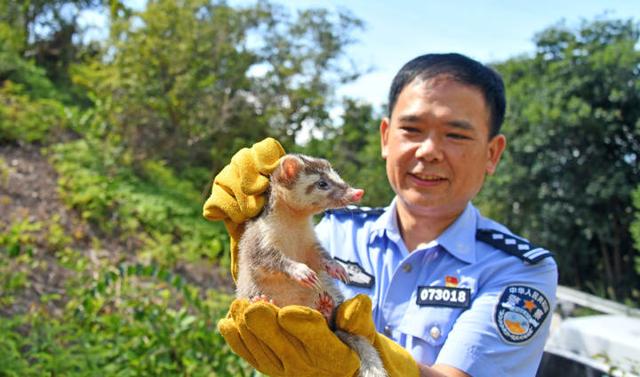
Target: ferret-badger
x,y
280,259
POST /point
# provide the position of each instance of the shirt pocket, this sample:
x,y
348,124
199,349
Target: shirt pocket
x,y
431,324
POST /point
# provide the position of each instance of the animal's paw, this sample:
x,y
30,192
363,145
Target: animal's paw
x,y
304,275
336,271
261,298
324,305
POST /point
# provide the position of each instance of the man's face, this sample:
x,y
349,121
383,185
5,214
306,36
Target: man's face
x,y
437,148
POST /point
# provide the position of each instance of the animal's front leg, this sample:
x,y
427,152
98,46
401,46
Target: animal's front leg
x,y
333,267
303,274
335,270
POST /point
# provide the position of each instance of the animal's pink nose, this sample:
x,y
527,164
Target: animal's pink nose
x,y
357,194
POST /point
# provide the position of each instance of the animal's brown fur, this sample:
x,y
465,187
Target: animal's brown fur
x,y
280,258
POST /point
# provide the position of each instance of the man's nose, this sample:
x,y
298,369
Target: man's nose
x,y
429,149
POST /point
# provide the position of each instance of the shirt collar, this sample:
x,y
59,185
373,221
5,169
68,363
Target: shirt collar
x,y
459,239
387,224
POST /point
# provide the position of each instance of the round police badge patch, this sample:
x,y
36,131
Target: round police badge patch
x,y
520,312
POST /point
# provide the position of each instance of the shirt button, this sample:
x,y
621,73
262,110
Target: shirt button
x,y
387,330
435,332
406,267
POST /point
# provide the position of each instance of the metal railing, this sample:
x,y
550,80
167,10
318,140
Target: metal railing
x,y
576,297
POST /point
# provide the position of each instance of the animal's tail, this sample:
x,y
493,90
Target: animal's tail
x,y
370,363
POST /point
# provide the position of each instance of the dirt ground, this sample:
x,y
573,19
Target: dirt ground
x,y
29,191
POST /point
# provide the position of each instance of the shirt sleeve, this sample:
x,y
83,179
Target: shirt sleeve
x,y
479,343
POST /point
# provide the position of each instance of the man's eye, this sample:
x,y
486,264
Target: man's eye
x,y
410,129
458,136
322,185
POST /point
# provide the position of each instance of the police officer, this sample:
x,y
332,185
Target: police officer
x,y
461,293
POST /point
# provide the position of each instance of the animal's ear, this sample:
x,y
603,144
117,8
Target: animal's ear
x,y
289,168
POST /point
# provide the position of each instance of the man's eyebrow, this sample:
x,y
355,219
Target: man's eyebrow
x,y
409,118
456,123
461,124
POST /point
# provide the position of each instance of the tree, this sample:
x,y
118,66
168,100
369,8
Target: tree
x,y
47,31
572,163
190,81
635,227
31,103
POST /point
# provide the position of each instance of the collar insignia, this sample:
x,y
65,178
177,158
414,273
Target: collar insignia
x,y
450,281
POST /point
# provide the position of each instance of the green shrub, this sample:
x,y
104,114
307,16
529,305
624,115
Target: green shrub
x,y
27,119
154,206
124,320
31,108
132,327
14,68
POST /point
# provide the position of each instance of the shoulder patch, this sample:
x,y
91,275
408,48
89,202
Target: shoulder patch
x,y
520,313
513,245
356,210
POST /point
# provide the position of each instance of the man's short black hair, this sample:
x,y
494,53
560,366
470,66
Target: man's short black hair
x,y
462,69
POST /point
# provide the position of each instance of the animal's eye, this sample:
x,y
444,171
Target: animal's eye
x,y
322,184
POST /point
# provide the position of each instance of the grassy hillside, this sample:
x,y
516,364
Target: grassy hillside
x,y
105,271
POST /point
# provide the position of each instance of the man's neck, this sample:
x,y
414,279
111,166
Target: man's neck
x,y
417,229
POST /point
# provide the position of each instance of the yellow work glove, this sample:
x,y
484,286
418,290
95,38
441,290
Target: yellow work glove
x,y
237,191
354,316
296,341
293,341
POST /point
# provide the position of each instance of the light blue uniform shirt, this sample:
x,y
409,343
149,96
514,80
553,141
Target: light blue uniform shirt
x,y
457,301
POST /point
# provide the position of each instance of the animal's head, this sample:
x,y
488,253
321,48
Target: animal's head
x,y
309,184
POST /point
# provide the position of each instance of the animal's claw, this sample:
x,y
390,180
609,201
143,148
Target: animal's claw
x,y
261,298
324,305
305,276
336,271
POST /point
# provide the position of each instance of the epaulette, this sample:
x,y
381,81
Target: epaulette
x,y
513,245
356,210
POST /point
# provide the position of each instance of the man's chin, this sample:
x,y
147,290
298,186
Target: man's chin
x,y
433,207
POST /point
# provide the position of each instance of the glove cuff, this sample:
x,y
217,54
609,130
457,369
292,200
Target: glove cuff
x,y
398,362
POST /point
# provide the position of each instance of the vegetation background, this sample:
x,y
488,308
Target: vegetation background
x,y
107,150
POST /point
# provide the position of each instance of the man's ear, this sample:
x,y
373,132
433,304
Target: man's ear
x,y
496,147
384,136
287,172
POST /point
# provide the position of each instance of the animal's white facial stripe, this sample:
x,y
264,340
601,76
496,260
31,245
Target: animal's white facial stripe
x,y
335,177
299,197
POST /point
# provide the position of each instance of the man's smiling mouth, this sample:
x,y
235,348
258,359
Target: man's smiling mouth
x,y
428,177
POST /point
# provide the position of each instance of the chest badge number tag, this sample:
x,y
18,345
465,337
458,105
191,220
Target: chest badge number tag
x,y
451,297
358,277
520,313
